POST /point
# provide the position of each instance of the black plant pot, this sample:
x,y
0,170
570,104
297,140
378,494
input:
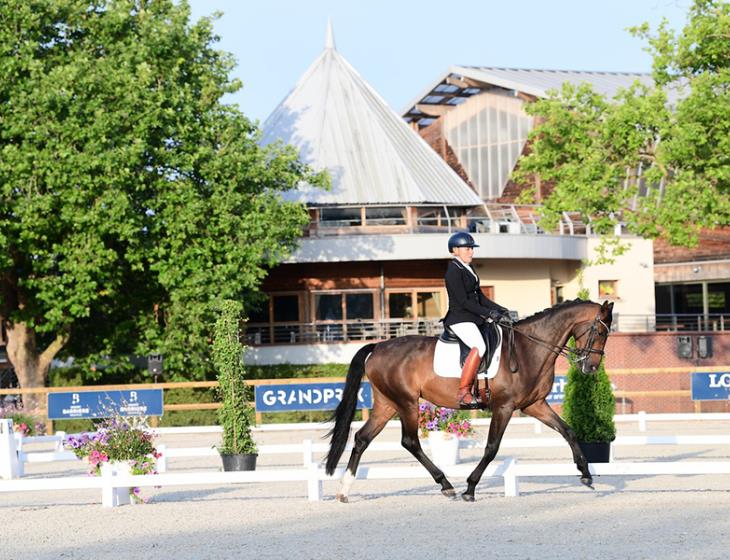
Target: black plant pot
x,y
596,452
240,462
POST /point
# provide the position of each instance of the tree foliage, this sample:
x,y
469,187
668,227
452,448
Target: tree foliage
x,y
131,196
655,157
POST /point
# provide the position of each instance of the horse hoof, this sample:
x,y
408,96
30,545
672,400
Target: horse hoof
x,y
449,492
467,497
341,498
587,482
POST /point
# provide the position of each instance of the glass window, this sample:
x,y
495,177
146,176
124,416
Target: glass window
x,y
688,298
429,304
400,306
388,216
260,314
340,217
608,288
328,307
663,298
718,297
359,306
286,308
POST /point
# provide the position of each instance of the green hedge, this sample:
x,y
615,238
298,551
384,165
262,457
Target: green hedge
x,y
589,405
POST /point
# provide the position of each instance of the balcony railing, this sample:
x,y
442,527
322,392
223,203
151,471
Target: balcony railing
x,y
359,330
338,331
671,322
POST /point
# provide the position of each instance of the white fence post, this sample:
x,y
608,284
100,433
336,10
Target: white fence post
x,y
9,465
307,453
113,496
314,484
538,427
642,421
161,465
511,483
61,438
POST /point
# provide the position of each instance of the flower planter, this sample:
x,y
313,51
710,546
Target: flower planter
x,y
444,448
242,462
596,452
112,497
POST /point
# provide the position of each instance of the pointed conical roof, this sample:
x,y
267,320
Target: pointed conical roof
x,y
338,122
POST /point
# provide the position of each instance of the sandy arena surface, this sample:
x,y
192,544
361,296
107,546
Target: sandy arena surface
x,y
667,517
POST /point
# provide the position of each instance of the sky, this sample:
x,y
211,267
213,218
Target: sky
x,y
401,46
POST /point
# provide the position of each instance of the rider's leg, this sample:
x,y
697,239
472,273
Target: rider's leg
x,y
470,334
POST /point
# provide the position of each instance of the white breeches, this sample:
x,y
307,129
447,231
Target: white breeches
x,y
470,335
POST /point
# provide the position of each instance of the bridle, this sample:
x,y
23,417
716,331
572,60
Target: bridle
x,y
574,354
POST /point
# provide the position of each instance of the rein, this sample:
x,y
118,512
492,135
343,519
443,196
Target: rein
x,y
578,354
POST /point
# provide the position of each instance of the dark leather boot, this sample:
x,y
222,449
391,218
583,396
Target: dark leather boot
x,y
468,372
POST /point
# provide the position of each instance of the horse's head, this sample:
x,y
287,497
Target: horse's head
x,y
590,337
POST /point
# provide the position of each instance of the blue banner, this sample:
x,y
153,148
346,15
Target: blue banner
x,y
307,396
105,404
557,393
711,386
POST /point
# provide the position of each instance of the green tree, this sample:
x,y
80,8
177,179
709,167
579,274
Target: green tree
x,y
669,143
131,196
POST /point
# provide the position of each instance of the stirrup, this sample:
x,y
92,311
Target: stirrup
x,y
475,403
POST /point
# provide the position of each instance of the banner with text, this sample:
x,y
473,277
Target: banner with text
x,y
307,396
711,386
104,404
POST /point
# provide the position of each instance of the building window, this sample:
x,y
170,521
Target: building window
x,y
275,320
328,307
340,217
400,306
416,304
285,308
386,216
608,288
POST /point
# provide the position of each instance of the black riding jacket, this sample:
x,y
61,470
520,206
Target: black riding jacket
x,y
467,303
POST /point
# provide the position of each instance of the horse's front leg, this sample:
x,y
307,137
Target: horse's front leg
x,y
500,418
409,440
542,411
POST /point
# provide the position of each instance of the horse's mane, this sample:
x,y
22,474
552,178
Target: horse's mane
x,y
550,310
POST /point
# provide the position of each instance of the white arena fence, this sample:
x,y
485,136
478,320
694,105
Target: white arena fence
x,y
115,486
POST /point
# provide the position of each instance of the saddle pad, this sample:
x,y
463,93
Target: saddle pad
x,y
447,355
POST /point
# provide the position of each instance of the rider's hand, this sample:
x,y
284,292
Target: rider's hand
x,y
495,315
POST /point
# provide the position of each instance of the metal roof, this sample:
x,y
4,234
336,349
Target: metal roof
x,y
464,81
338,122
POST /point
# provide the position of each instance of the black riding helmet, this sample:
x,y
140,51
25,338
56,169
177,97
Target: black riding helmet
x,y
461,239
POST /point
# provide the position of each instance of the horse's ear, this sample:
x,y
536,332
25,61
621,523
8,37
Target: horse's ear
x,y
605,305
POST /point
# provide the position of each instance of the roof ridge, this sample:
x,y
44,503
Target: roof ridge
x,y
559,70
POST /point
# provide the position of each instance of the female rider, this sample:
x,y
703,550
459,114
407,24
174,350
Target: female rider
x,y
469,309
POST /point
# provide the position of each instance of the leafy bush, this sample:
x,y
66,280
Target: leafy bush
x,y
23,422
236,415
589,405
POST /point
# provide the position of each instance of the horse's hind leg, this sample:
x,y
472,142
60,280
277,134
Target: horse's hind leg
x,y
542,411
378,419
409,440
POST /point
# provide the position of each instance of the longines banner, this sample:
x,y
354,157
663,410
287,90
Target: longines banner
x,y
711,386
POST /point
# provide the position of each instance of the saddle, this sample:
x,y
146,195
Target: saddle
x,y
492,336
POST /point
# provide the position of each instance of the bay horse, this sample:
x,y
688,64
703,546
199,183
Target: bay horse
x,y
400,371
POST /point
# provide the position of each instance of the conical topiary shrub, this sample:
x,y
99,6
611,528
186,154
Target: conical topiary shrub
x,y
589,405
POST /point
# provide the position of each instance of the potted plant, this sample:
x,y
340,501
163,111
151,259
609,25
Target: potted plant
x,y
588,408
443,427
121,445
236,416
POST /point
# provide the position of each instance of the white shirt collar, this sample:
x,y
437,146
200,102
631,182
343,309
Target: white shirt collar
x,y
468,267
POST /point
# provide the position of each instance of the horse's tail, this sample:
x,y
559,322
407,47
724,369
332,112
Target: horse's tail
x,y
345,411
